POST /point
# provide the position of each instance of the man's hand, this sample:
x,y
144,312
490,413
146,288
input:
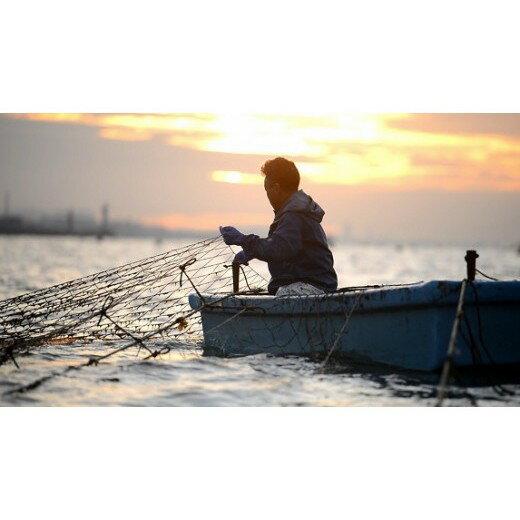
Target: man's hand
x,y
241,258
231,236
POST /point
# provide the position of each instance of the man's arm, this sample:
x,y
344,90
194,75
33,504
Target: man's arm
x,y
284,244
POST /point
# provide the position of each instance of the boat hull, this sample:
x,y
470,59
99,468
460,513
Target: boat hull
x,y
406,326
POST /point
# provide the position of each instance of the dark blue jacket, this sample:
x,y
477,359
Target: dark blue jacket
x,y
296,247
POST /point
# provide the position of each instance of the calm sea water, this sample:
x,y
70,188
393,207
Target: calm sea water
x,y
185,378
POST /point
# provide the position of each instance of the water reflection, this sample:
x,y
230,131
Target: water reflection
x,y
185,378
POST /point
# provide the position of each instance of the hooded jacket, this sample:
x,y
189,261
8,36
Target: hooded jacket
x,y
296,247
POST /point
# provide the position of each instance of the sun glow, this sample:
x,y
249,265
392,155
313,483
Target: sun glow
x,y
236,177
207,221
374,149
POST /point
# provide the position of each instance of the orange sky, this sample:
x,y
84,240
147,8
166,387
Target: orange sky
x,y
390,150
393,152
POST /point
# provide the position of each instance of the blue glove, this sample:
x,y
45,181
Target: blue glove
x,y
241,258
231,236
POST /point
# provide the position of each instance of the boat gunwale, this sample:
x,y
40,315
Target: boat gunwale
x,y
427,295
244,311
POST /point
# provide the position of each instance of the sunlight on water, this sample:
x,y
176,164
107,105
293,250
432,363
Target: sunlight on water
x,y
185,378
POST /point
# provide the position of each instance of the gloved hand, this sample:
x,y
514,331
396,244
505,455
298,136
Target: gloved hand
x,y
241,258
231,236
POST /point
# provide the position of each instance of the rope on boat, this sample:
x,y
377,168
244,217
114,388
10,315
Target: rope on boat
x,y
487,276
497,387
342,331
471,343
471,257
451,346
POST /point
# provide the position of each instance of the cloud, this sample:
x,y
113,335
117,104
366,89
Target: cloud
x,y
388,150
505,125
125,134
446,187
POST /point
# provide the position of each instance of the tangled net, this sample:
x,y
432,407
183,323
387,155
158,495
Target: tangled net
x,y
138,302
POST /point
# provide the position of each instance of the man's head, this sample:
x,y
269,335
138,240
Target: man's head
x,y
282,179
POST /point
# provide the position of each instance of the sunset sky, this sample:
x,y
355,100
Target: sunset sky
x,y
440,177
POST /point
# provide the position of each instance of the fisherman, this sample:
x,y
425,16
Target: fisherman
x,y
296,249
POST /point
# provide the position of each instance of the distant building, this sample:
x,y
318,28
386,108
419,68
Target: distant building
x,y
11,224
104,227
70,222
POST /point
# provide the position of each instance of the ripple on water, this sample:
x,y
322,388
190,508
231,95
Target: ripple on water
x,y
190,379
186,378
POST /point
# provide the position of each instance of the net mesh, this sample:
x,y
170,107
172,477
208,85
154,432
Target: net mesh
x,y
144,304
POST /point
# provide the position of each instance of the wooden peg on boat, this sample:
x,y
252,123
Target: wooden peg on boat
x,y
471,264
236,276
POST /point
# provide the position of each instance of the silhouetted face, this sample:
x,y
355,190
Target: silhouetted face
x,y
273,193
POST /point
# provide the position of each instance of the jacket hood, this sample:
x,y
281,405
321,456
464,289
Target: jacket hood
x,y
300,202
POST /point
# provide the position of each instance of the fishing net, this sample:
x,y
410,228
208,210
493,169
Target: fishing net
x,y
309,325
143,304
187,298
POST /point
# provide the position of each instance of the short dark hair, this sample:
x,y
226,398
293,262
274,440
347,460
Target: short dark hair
x,y
282,171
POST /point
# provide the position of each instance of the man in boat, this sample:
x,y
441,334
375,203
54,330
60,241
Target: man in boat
x,y
296,249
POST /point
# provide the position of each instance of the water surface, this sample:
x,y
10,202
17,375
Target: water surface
x,y
186,378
